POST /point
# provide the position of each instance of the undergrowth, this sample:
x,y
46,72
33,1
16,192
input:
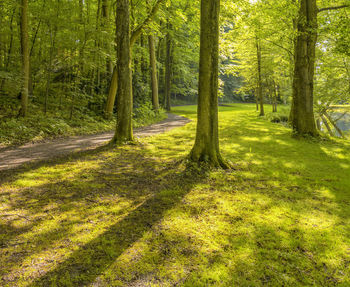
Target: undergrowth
x,y
38,126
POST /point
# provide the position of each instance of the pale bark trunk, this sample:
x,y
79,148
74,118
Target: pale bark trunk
x,y
260,94
124,100
112,92
206,147
25,57
302,114
154,80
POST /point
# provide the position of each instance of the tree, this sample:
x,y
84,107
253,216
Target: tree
x,y
154,80
115,76
206,147
25,57
123,131
302,114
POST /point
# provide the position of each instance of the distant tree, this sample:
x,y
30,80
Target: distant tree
x,y
25,57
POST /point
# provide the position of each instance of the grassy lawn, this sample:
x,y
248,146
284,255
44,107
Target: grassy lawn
x,y
136,216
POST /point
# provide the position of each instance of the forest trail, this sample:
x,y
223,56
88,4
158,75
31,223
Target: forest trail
x,y
16,156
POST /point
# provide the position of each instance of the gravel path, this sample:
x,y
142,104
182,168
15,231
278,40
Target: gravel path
x,y
15,157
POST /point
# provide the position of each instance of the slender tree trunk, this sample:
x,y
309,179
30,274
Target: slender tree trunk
x,y
324,120
302,114
112,92
105,25
334,124
144,65
168,72
154,80
206,147
25,57
124,100
260,94
257,99
9,51
275,88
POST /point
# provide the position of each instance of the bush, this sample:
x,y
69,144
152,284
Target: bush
x,y
145,115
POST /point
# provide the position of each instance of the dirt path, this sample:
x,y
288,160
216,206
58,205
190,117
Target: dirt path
x,y
14,157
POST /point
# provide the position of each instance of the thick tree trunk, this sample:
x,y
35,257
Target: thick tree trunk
x,y
302,114
260,94
124,100
25,57
206,147
168,72
154,80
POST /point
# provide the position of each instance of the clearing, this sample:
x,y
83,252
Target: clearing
x,y
136,216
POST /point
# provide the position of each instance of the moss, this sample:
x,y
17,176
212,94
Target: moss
x,y
138,216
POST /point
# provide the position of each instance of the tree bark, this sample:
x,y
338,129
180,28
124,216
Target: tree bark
x,y
105,25
302,114
206,147
112,94
25,57
124,100
168,72
260,94
154,80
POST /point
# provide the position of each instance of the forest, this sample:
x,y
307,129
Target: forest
x,y
174,143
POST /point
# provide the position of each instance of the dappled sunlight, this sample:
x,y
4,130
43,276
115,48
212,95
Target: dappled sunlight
x,y
137,216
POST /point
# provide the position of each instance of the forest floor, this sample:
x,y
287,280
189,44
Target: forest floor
x,y
15,157
139,215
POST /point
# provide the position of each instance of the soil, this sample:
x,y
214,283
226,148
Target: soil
x,y
15,157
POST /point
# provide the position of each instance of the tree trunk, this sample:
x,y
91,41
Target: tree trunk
x,y
168,72
25,57
206,147
257,99
275,89
154,80
105,25
112,92
9,51
124,100
334,124
260,94
302,114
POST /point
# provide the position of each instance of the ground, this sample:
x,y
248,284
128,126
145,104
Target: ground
x,y
139,215
14,157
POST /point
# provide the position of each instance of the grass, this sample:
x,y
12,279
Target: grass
x,y
137,216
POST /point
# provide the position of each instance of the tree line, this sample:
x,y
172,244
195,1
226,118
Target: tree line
x,y
282,51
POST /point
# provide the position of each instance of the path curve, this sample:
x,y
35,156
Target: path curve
x,y
11,158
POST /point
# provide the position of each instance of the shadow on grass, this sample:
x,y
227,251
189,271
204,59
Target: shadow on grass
x,y
147,186
92,259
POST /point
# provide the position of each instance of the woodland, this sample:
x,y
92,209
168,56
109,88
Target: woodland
x,y
174,143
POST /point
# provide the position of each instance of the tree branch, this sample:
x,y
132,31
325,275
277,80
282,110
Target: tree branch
x,y
138,31
333,8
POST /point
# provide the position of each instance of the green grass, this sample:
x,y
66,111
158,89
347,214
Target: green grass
x,y
136,216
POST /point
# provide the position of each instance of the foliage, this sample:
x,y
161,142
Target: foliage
x,y
38,126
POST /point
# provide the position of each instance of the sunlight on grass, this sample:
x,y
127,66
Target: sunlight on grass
x,y
136,216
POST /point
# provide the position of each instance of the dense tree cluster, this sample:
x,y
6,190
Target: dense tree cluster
x,y
62,54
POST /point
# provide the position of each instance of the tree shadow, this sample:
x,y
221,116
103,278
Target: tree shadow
x,y
146,186
90,260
